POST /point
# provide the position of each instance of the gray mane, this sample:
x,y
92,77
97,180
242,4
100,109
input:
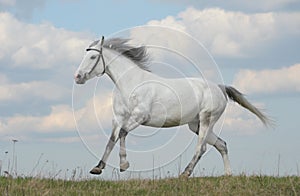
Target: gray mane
x,y
138,55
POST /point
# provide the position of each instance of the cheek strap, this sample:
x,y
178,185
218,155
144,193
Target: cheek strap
x,y
99,57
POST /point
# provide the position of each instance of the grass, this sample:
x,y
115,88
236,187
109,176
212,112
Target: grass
x,y
235,185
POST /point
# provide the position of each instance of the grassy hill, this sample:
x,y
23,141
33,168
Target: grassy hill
x,y
235,185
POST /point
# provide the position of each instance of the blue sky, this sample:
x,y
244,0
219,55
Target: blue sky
x,y
254,44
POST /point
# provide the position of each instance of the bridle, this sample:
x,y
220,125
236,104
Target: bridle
x,y
99,57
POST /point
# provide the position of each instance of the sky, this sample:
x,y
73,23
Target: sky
x,y
62,128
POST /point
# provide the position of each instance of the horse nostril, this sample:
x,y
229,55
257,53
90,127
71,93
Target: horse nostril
x,y
78,76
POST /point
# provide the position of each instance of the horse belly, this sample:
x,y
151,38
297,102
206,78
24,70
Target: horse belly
x,y
171,116
174,103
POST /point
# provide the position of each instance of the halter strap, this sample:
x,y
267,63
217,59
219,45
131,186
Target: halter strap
x,y
99,57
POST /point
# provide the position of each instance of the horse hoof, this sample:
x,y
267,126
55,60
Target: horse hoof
x,y
96,171
124,166
184,175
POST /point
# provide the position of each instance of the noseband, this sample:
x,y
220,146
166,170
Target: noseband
x,y
99,57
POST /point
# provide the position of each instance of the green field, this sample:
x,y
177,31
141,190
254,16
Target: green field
x,y
236,185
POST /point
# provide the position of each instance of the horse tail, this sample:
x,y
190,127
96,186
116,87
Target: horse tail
x,y
239,98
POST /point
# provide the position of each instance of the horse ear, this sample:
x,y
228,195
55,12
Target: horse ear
x,y
102,41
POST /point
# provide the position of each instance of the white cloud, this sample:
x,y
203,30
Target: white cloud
x,y
280,80
95,115
38,46
26,91
229,33
61,120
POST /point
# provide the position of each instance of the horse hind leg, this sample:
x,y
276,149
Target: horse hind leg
x,y
221,146
203,128
194,125
190,167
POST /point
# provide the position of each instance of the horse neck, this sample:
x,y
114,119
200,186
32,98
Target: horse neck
x,y
122,71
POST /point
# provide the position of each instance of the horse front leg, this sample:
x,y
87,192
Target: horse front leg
x,y
132,122
110,145
124,164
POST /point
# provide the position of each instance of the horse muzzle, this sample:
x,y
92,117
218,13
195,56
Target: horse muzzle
x,y
79,79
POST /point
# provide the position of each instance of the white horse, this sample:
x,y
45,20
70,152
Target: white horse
x,y
144,98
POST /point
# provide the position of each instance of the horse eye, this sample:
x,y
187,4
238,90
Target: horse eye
x,y
93,57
